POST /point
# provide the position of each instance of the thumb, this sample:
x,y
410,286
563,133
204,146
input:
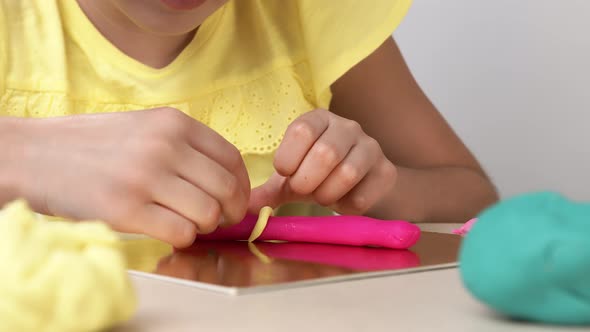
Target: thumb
x,y
274,192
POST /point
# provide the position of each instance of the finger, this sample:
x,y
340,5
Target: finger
x,y
378,181
298,140
217,182
189,201
347,174
214,146
274,192
165,225
326,153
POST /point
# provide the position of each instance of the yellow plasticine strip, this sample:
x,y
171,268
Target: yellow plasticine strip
x,y
259,254
263,216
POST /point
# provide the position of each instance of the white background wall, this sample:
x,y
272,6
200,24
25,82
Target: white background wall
x,y
513,78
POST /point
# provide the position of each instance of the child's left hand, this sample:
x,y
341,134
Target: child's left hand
x,y
329,160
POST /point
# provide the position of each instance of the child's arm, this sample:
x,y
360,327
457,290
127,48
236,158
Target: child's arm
x,y
156,172
419,170
438,178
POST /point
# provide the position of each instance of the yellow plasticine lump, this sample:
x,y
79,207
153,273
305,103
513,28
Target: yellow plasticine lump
x,y
60,276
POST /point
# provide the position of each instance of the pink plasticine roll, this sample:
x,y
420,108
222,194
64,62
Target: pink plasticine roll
x,y
344,230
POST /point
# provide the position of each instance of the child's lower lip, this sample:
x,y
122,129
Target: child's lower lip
x,y
183,4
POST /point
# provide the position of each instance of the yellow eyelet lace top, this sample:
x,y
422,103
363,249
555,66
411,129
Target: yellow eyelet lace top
x,y
252,68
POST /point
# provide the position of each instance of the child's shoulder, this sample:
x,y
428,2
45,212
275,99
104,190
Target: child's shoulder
x,y
33,21
315,20
30,32
329,37
12,12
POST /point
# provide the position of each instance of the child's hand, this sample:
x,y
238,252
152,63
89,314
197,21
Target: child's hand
x,y
156,172
329,160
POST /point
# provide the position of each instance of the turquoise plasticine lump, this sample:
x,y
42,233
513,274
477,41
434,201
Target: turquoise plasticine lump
x,y
529,258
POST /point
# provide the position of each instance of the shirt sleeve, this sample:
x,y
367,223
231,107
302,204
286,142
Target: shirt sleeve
x,y
337,35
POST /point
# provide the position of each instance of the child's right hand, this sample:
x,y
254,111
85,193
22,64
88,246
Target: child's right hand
x,y
156,172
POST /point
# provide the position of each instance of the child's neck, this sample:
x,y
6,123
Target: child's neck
x,y
153,50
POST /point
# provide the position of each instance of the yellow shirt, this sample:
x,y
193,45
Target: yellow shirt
x,y
252,68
